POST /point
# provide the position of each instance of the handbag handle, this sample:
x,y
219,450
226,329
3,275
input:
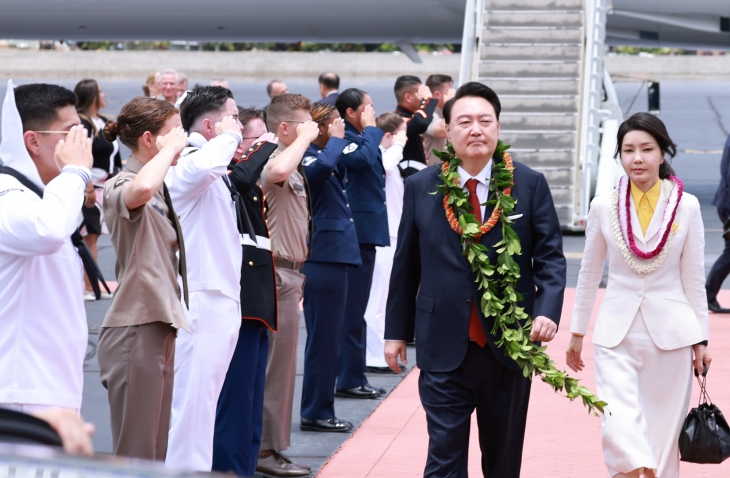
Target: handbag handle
x,y
704,397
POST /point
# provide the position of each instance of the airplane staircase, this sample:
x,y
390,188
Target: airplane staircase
x,y
547,69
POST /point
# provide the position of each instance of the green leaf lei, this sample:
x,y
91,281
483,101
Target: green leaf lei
x,y
499,281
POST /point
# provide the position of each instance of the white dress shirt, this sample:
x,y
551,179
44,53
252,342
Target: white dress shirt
x,y
394,187
482,178
208,215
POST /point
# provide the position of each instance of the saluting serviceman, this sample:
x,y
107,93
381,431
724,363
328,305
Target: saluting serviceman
x,y
416,105
366,194
334,253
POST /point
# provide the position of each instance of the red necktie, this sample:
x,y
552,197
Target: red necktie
x,y
476,331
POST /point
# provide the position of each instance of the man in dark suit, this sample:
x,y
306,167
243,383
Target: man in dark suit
x,y
329,85
366,195
721,268
433,296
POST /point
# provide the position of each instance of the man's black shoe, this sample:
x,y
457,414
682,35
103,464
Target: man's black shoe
x,y
385,370
359,392
715,307
325,425
378,390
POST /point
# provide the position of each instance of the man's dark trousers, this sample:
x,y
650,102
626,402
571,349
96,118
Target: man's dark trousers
x,y
239,418
325,292
500,396
351,369
719,272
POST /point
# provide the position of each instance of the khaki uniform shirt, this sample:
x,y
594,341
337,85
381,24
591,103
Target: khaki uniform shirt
x,y
145,242
430,142
288,214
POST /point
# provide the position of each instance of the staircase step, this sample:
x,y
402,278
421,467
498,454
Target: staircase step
x,y
530,51
553,103
541,86
537,140
533,18
536,4
544,159
529,69
558,177
538,35
543,122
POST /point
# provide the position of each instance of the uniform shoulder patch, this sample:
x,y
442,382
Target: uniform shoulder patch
x,y
350,148
309,160
3,193
119,182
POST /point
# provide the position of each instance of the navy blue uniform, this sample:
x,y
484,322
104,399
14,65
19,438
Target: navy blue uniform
x,y
334,250
366,193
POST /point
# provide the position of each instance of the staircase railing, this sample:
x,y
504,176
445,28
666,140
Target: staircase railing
x,y
473,24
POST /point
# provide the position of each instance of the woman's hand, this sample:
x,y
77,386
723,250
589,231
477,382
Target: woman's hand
x,y
701,357
89,198
176,140
337,128
572,355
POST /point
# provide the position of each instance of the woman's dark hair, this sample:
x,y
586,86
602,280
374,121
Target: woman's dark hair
x,y
477,90
139,115
87,92
655,127
350,98
321,112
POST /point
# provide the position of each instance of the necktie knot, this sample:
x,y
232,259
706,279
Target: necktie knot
x,y
471,186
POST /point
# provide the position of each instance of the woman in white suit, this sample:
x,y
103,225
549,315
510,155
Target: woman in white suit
x,y
652,326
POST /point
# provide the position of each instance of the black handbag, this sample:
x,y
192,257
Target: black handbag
x,y
705,435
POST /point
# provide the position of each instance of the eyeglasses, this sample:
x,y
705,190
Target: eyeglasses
x,y
293,121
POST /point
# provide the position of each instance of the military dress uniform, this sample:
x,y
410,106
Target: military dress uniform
x,y
239,414
417,122
334,253
366,194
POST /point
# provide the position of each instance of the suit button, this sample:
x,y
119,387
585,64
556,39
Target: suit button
x,y
639,293
347,205
352,220
385,202
255,198
250,263
468,301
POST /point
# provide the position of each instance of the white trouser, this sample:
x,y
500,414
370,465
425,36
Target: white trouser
x,y
201,362
375,312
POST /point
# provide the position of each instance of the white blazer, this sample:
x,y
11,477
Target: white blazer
x,y
672,299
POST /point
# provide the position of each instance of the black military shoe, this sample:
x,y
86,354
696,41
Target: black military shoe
x,y
378,390
325,425
715,307
358,392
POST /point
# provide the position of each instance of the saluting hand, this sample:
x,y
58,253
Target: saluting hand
x,y
228,123
400,137
449,95
75,150
423,92
308,130
367,118
337,128
176,140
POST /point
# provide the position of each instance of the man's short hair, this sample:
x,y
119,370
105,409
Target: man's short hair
x,y
38,104
403,83
182,78
330,80
246,115
170,71
270,86
282,106
476,90
437,81
202,100
350,98
389,122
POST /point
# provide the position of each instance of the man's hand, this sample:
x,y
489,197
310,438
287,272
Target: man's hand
x,y
74,432
175,141
367,118
337,129
393,350
423,92
75,150
572,355
449,95
89,198
400,138
228,124
543,329
309,130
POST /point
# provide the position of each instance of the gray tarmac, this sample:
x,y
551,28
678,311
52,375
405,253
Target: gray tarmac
x,y
697,115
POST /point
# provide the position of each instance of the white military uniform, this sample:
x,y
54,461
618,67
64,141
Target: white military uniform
x,y
43,325
375,312
213,250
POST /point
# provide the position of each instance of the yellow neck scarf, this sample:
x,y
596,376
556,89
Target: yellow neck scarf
x,y
645,203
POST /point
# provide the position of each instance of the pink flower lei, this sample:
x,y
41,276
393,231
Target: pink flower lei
x,y
669,214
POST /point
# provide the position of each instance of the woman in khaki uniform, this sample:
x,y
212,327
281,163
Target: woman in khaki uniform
x,y
137,339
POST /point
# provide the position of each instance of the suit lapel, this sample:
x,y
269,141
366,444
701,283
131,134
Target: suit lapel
x,y
656,219
635,224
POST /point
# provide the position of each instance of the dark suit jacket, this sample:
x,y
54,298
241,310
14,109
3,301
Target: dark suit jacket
x,y
366,184
431,286
330,99
334,237
722,196
258,280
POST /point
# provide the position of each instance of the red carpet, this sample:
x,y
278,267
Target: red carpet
x,y
562,440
